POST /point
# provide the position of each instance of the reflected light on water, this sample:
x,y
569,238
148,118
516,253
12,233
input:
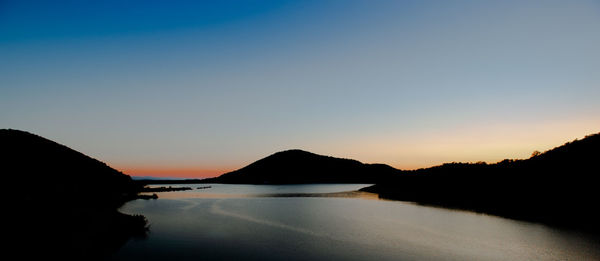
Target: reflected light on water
x,y
334,222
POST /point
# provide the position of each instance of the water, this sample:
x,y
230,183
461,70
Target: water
x,y
316,222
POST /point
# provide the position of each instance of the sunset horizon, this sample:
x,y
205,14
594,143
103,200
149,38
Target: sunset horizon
x,y
199,172
301,130
194,89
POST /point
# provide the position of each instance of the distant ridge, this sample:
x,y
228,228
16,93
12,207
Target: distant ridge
x,y
558,187
300,167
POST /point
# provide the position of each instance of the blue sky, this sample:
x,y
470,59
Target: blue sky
x,y
211,86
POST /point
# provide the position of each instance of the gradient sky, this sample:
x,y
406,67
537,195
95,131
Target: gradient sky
x,y
194,89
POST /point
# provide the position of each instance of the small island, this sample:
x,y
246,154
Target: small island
x,y
165,189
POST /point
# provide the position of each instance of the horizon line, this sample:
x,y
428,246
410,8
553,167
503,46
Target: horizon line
x,y
202,173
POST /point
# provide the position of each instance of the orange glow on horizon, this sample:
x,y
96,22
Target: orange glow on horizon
x,y
165,172
490,143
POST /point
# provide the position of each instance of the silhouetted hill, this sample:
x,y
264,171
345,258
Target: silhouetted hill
x,y
558,186
47,165
297,167
64,200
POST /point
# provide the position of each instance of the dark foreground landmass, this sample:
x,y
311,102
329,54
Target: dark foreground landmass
x,y
61,204
558,187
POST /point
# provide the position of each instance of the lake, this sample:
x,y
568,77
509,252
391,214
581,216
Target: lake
x,y
333,222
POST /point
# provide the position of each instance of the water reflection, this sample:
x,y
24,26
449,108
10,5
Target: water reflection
x,y
329,222
245,191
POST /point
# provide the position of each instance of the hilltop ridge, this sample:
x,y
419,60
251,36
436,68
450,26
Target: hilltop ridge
x,y
297,166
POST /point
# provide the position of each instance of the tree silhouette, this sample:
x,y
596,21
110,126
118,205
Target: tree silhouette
x,y
557,187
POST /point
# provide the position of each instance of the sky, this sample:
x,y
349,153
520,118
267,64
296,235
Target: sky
x,y
199,88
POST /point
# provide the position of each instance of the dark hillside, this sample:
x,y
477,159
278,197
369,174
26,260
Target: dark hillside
x,y
61,202
558,186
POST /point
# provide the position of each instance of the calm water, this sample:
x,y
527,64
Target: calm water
x,y
313,222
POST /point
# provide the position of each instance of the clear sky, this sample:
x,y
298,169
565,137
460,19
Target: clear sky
x,y
193,88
